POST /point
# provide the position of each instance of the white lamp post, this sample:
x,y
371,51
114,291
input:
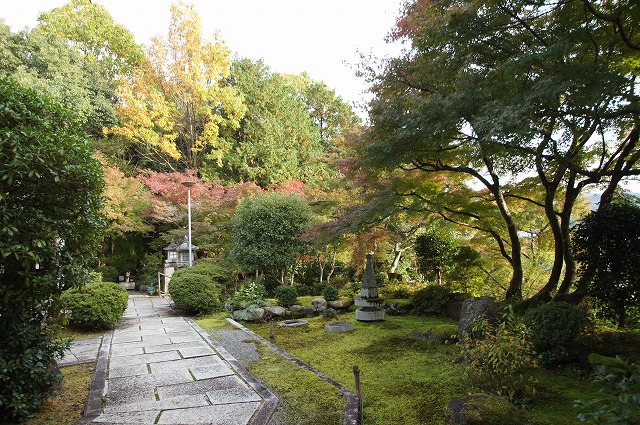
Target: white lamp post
x,y
189,184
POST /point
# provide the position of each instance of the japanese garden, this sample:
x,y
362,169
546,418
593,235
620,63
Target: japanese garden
x,y
189,236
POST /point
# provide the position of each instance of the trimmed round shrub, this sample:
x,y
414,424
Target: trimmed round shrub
x,y
95,306
330,293
286,295
193,290
431,300
556,324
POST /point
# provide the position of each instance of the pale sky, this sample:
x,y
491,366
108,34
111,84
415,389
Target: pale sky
x,y
291,36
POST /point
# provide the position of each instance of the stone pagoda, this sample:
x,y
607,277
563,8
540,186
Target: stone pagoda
x,y
370,303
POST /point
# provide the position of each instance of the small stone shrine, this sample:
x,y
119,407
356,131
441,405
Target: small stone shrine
x,y
370,303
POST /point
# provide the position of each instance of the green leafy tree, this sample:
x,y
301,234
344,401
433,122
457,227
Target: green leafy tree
x,y
50,222
332,115
266,233
92,31
176,104
277,140
436,253
46,63
493,92
606,244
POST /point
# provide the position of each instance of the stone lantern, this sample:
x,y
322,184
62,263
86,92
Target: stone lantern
x,y
177,257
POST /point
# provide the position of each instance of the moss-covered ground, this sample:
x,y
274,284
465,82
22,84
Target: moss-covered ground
x,y
410,370
68,404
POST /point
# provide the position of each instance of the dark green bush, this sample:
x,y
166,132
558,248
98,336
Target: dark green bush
x,y
556,324
286,295
431,300
193,289
98,305
51,189
624,405
27,355
330,293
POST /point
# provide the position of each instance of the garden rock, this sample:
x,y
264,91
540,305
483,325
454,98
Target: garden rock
x,y
475,309
309,311
295,308
427,336
329,312
274,311
340,304
484,410
293,323
319,304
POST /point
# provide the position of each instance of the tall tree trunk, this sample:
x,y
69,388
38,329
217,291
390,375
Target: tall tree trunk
x,y
515,285
544,294
333,264
569,261
397,254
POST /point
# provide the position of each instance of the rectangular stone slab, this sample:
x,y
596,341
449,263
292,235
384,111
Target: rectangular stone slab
x,y
228,414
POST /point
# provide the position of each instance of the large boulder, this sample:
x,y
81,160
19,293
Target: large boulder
x,y
319,304
340,304
275,311
484,410
476,309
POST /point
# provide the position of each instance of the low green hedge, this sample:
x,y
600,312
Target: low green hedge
x,y
95,306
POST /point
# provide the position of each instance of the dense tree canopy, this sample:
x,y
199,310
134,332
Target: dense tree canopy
x,y
176,103
277,141
93,32
509,96
46,63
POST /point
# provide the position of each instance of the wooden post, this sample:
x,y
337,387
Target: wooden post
x,y
272,336
356,374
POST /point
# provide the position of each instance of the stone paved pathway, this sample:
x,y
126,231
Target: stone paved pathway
x,y
83,350
158,367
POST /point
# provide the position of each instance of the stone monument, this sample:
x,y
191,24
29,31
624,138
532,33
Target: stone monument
x,y
370,303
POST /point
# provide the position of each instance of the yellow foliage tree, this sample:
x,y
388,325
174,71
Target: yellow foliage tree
x,y
177,102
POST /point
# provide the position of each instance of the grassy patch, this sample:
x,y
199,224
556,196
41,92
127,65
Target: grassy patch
x,y
214,321
68,406
410,371
78,334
